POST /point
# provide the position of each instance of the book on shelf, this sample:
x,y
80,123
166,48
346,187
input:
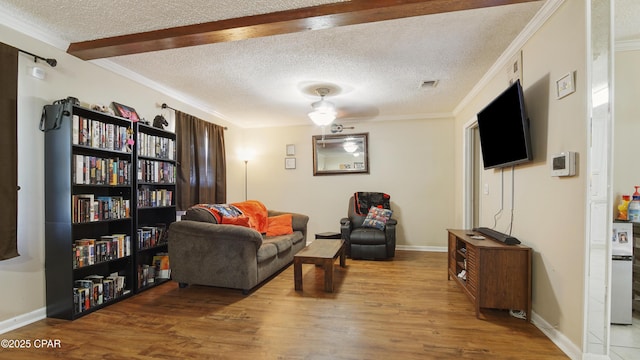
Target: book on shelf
x,y
88,207
150,236
92,170
84,289
156,146
96,290
118,283
161,264
158,172
92,251
98,134
146,275
148,197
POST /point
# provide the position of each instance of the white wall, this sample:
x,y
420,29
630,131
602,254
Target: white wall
x,y
549,212
23,279
410,160
627,127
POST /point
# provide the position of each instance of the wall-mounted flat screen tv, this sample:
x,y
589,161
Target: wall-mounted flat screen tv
x,y
503,125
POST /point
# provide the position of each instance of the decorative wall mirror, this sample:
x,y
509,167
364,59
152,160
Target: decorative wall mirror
x,y
341,154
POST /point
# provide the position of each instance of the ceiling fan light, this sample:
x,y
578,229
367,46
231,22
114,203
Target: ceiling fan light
x,y
322,118
324,112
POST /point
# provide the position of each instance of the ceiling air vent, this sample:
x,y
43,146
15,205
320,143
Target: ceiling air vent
x,y
428,84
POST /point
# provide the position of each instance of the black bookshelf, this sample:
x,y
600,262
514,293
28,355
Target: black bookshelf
x,y
155,185
72,229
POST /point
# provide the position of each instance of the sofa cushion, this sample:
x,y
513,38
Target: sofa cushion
x,y
266,252
257,213
283,243
280,225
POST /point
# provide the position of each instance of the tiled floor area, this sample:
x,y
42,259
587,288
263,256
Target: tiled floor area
x,y
625,340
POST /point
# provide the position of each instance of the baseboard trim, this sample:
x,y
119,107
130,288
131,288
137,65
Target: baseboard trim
x,y
421,248
558,338
22,320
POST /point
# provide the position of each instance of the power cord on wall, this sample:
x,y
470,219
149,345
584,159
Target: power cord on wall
x,y
513,192
496,215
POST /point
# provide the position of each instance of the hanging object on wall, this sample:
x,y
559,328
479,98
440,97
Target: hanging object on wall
x,y
337,128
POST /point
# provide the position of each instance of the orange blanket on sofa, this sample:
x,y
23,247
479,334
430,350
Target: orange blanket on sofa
x,y
257,214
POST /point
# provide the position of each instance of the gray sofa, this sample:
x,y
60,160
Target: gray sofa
x,y
203,252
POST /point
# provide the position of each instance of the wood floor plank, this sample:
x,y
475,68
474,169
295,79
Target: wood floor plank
x,y
400,309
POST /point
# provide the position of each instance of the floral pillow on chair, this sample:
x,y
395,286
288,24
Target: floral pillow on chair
x,y
377,218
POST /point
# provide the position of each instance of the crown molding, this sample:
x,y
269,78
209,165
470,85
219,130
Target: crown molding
x,y
627,45
541,17
134,76
31,30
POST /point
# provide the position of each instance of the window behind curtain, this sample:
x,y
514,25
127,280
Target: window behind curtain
x,y
201,162
8,152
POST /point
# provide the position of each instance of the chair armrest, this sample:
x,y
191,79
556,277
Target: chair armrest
x,y
392,222
345,221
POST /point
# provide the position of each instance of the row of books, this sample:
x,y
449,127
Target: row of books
x,y
156,146
158,172
89,207
148,197
96,290
92,170
98,134
159,269
92,251
150,236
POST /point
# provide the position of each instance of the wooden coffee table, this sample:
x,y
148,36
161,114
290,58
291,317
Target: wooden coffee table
x,y
324,253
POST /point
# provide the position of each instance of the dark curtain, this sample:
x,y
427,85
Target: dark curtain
x,y
201,162
8,152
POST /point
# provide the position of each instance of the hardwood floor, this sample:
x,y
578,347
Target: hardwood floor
x,y
400,309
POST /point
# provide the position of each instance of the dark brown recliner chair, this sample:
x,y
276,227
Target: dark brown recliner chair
x,y
367,242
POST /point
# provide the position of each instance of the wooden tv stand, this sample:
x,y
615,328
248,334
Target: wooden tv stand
x,y
498,276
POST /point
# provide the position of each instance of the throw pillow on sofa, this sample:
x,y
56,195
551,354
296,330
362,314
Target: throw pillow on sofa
x,y
256,212
280,225
377,218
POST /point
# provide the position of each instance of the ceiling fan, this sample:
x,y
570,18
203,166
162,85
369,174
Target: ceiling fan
x,y
325,112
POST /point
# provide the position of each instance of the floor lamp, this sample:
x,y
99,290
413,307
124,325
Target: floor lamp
x,y
245,179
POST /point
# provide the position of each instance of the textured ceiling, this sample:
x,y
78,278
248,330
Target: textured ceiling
x,y
75,20
627,24
374,69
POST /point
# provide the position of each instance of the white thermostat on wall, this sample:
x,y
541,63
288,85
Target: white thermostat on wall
x,y
563,164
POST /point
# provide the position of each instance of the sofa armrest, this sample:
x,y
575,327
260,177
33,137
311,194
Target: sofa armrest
x,y
214,254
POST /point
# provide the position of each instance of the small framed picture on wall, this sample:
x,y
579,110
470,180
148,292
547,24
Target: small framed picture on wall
x,y
289,163
291,149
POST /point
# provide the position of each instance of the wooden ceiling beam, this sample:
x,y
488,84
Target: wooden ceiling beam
x,y
281,22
